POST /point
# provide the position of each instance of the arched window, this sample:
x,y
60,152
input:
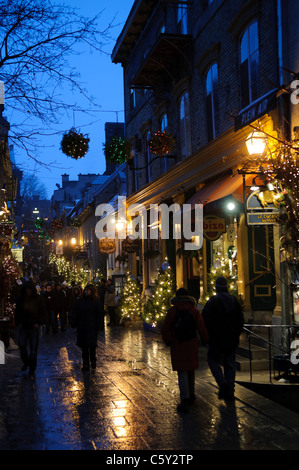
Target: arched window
x,y
185,130
249,65
212,102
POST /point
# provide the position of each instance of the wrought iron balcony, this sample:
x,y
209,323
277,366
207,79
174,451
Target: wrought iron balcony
x,y
161,45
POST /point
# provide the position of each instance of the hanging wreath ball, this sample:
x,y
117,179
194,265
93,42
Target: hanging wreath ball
x,y
57,224
117,150
74,144
39,223
161,143
76,222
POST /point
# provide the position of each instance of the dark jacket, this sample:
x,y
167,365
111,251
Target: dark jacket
x,y
224,320
184,354
88,317
49,301
29,311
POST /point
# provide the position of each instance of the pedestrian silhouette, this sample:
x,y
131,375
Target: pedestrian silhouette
x,y
88,318
182,323
110,302
29,316
50,310
224,320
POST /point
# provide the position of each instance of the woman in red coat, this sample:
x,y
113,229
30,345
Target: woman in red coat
x,y
182,323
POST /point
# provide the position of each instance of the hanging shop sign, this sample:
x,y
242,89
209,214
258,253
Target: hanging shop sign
x,y
107,246
130,245
256,110
213,227
18,254
260,209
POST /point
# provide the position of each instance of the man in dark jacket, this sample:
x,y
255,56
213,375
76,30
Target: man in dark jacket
x,y
88,318
224,320
50,310
29,316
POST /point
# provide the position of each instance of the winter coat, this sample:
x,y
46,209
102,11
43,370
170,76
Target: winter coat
x,y
60,300
88,317
184,353
49,301
110,296
29,311
224,320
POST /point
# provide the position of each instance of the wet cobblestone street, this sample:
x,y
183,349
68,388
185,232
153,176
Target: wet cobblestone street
x,y
129,402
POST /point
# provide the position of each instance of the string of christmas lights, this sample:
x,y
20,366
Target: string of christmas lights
x,y
68,272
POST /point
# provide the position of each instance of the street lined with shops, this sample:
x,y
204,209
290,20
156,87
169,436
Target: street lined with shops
x,y
129,402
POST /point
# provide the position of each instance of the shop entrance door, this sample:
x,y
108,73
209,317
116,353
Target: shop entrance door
x,y
261,267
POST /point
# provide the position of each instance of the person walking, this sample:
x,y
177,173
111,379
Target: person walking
x,y
74,296
29,316
182,323
224,320
88,318
102,291
61,305
110,302
50,310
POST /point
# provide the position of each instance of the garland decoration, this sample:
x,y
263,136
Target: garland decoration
x,y
117,150
161,143
74,144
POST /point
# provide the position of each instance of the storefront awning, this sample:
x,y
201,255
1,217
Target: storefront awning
x,y
222,187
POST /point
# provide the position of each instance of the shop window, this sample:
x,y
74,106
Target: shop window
x,y
132,98
212,102
185,130
249,65
224,259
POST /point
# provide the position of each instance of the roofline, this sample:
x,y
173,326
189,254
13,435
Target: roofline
x,y
124,31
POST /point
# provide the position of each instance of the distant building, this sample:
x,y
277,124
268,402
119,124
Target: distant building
x,y
69,193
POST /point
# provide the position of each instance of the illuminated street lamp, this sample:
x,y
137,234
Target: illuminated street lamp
x,y
73,241
256,143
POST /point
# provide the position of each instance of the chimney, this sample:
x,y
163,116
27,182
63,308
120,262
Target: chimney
x,y
65,179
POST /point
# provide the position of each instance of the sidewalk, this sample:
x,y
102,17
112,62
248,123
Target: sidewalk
x,y
129,402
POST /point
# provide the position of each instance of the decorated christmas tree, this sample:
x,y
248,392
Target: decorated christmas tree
x,y
157,305
130,300
223,271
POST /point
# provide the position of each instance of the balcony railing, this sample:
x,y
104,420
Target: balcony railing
x,y
282,344
164,39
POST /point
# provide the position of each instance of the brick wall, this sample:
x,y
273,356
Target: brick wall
x,y
216,31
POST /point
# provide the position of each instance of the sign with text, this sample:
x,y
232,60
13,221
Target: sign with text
x,y
213,227
256,110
